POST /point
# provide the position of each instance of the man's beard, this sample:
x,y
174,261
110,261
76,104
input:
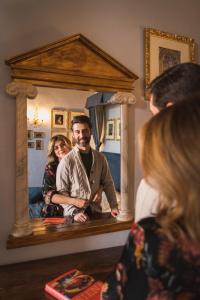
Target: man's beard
x,y
83,142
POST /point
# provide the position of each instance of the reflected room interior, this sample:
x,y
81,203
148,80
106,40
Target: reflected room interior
x,y
42,125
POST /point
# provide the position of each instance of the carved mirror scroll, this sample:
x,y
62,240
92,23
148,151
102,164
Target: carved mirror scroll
x,y
72,63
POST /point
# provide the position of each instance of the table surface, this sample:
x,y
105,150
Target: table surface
x,y
26,281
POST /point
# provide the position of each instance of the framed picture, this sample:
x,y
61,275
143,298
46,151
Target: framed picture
x,y
39,144
110,130
164,50
59,118
39,135
117,129
30,134
31,145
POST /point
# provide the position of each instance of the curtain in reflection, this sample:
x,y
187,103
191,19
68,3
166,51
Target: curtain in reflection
x,y
97,118
95,105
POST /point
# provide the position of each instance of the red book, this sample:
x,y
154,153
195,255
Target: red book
x,y
74,285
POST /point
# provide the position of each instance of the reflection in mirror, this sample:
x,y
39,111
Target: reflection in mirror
x,y
49,114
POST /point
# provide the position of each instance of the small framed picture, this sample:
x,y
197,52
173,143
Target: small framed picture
x,y
59,118
110,130
117,129
39,135
30,134
39,144
31,145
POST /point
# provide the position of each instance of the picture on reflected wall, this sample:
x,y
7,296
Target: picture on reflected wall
x,y
31,145
117,129
39,145
30,134
39,135
110,130
59,118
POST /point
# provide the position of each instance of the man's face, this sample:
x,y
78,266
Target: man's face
x,y
152,107
82,134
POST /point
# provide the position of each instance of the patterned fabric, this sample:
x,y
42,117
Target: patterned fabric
x,y
153,268
49,181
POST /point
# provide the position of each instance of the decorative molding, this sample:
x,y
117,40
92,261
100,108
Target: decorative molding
x,y
122,98
24,90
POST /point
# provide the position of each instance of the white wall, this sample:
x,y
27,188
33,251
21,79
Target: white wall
x,y
114,25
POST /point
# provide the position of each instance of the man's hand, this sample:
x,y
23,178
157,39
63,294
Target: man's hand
x,y
80,203
80,217
98,196
114,212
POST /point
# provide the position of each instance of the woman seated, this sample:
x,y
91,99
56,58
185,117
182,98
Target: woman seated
x,y
161,259
58,147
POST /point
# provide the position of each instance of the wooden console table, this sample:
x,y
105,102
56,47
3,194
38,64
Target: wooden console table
x,y
26,281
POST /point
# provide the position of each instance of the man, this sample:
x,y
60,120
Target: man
x,y
82,172
174,85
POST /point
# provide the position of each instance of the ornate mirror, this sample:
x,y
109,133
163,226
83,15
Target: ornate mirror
x,y
73,63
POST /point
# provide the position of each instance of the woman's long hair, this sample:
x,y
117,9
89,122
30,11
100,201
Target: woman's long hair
x,y
51,153
170,158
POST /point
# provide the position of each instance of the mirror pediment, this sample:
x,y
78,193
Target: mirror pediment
x,y
74,60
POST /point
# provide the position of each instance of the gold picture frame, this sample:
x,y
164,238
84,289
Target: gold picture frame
x,y
163,50
110,129
117,129
59,118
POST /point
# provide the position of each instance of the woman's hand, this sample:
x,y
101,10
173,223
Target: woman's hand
x,y
80,217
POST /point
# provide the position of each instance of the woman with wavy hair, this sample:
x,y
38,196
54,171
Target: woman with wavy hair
x,y
58,147
161,259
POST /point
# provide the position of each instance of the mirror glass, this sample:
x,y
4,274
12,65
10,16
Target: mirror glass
x,y
50,113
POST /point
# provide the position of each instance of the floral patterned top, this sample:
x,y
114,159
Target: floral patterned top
x,y
153,268
49,181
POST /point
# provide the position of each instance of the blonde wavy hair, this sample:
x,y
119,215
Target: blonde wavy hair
x,y
170,158
51,153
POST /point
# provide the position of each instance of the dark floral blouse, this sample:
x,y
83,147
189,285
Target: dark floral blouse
x,y
153,268
49,181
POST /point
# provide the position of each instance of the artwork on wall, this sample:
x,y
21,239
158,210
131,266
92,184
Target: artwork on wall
x,y
39,144
30,134
31,145
164,50
39,135
110,129
117,129
59,118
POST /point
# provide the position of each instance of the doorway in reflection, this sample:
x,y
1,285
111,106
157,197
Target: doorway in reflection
x,y
50,114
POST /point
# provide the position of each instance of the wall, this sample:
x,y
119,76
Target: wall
x,y
114,25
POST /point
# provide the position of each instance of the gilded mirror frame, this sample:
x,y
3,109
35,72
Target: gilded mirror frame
x,y
71,63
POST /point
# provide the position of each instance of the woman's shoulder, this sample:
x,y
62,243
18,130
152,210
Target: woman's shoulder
x,y
146,229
